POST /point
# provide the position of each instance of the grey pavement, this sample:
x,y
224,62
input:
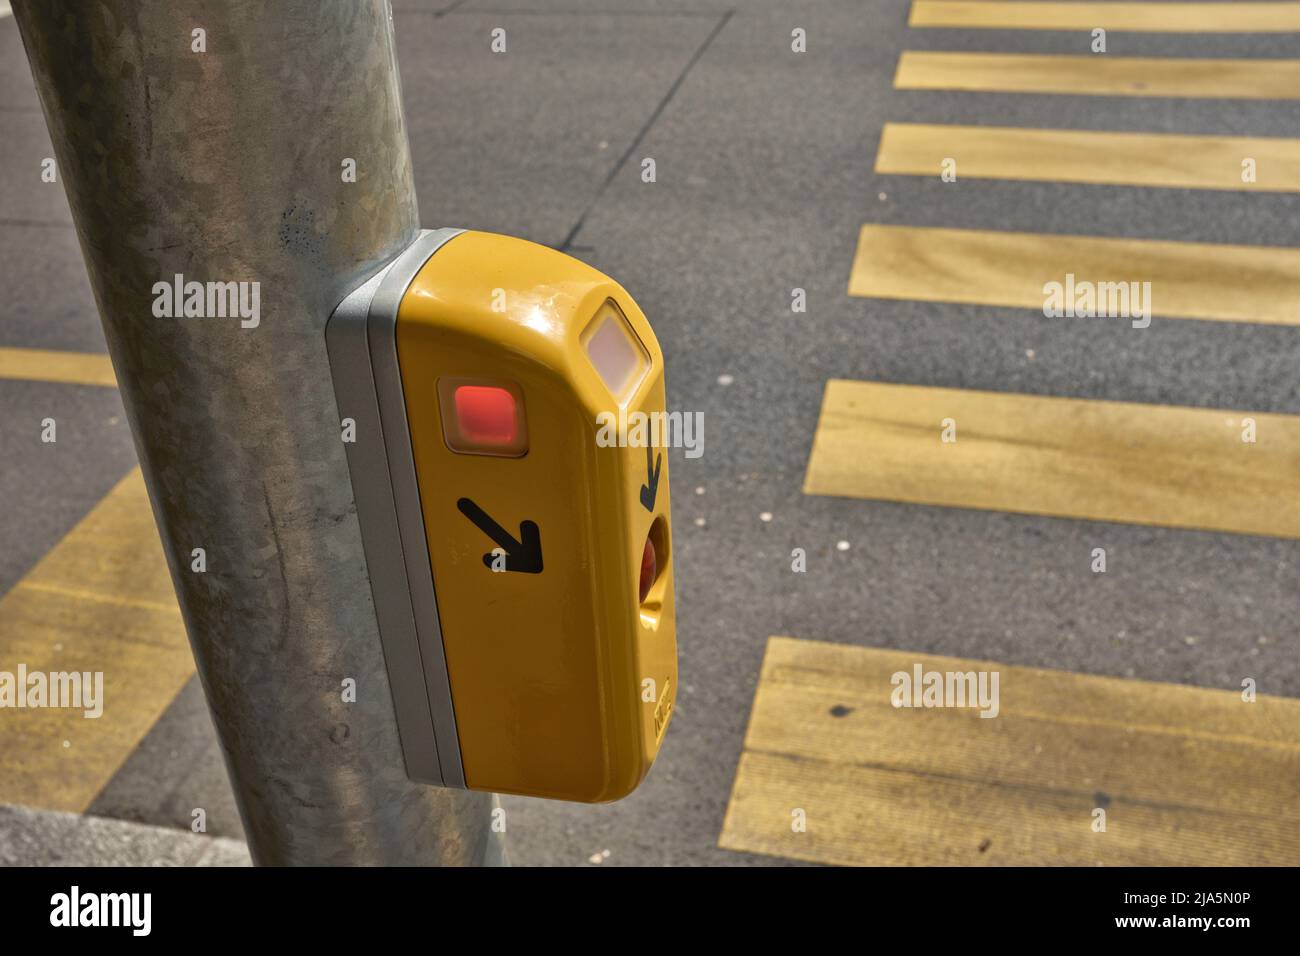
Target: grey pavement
x,y
764,176
30,837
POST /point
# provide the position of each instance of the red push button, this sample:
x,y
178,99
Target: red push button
x,y
483,417
649,568
486,415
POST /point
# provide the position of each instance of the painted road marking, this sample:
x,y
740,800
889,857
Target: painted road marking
x,y
70,368
1189,280
101,600
1059,457
1276,17
1186,776
1262,79
1080,156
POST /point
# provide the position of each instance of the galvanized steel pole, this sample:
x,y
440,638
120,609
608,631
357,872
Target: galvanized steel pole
x,y
212,139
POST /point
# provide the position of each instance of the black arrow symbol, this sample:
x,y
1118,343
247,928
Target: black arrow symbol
x,y
651,487
524,555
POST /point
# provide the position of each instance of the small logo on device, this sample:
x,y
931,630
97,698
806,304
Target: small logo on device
x,y
133,910
663,710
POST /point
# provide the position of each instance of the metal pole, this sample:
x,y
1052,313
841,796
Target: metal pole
x,y
221,156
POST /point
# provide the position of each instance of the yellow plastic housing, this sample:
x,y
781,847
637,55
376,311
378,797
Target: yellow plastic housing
x,y
562,681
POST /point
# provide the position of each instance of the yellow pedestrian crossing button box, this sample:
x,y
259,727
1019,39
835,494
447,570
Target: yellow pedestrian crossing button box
x,y
521,569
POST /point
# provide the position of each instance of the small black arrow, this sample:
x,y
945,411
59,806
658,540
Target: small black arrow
x,y
524,555
651,487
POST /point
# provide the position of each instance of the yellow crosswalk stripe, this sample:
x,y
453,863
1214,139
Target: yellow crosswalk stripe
x,y
1188,279
1083,156
1061,457
1262,79
100,601
1160,17
832,772
42,365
